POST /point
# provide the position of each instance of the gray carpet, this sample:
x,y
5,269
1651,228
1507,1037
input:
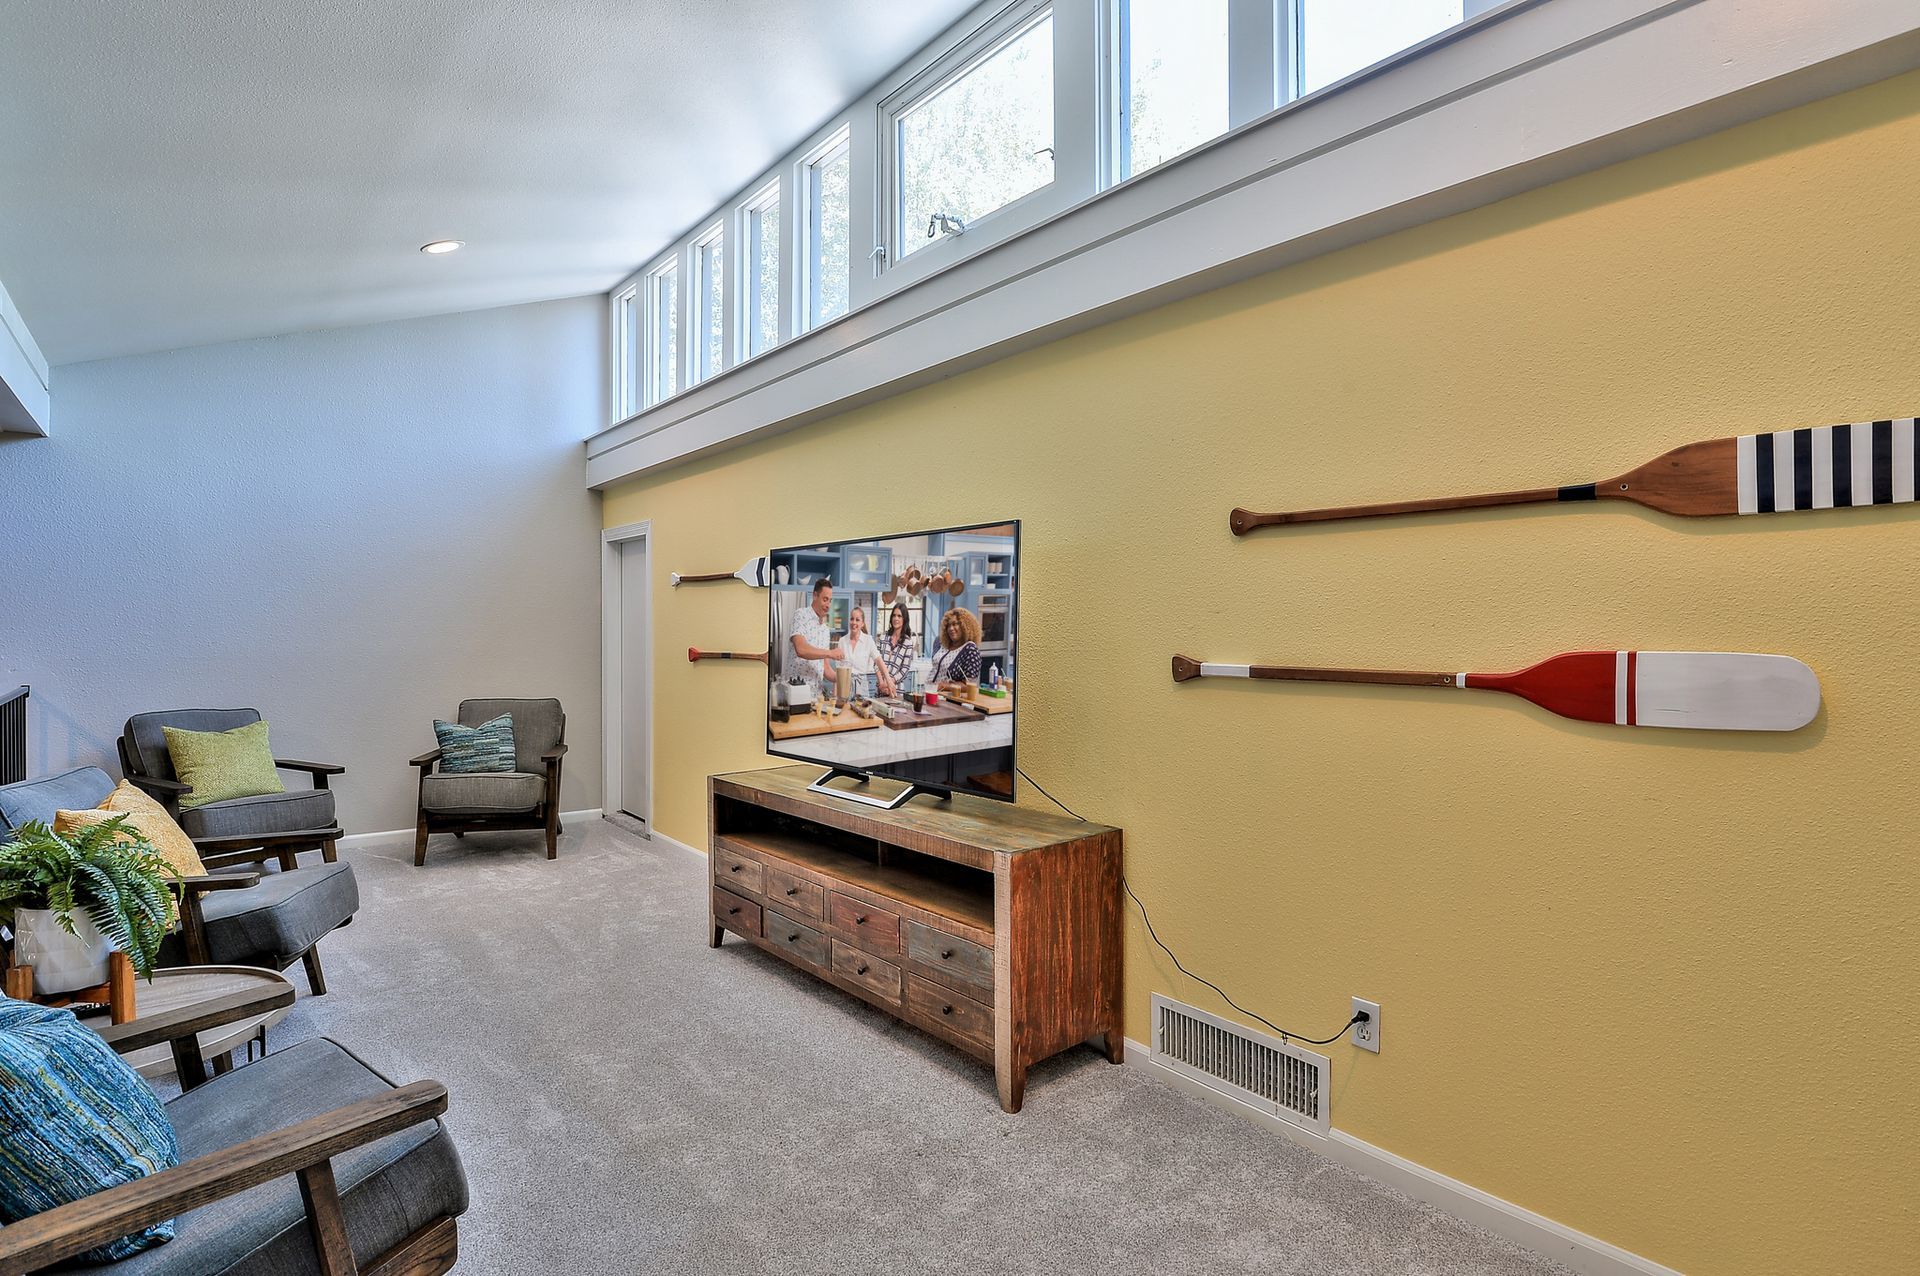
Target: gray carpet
x,y
629,1100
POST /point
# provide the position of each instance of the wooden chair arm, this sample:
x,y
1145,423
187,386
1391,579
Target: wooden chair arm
x,y
427,759
253,841
66,1230
554,754
189,1021
313,768
218,882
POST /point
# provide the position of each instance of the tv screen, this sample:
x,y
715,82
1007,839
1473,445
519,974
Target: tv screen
x,y
894,657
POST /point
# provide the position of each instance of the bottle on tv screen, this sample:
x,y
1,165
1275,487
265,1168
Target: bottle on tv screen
x,y
894,658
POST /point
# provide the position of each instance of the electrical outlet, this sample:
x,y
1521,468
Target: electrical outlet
x,y
1367,1035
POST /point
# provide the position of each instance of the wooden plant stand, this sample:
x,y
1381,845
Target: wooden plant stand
x,y
116,993
993,928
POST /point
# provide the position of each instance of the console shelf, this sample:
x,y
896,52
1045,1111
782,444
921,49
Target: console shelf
x,y
994,928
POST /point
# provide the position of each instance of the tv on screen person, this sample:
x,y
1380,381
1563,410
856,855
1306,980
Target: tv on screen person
x,y
809,641
957,659
863,658
897,653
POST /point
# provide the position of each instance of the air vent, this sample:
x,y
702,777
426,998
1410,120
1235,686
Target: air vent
x,y
1261,1071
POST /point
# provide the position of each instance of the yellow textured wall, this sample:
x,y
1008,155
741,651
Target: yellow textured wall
x,y
1656,985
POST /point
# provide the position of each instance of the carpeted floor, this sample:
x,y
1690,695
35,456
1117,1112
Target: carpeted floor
x,y
629,1100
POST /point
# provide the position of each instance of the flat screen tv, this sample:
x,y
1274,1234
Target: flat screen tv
x,y
894,657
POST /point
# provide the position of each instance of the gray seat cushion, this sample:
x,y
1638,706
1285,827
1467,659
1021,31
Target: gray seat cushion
x,y
498,793
261,815
538,725
389,1189
148,751
272,923
80,789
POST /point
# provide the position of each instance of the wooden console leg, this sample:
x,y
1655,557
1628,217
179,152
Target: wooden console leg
x,y
1011,1080
717,932
1116,1043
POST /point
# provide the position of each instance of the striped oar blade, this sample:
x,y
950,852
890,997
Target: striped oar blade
x,y
1697,690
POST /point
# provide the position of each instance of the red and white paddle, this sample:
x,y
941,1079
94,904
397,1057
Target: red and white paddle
x,y
694,653
1703,690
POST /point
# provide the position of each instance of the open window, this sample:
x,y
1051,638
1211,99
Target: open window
x,y
663,332
827,180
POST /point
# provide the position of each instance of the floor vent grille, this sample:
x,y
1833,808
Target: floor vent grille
x,y
1264,1072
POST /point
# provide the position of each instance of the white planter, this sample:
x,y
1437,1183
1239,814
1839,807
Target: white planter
x,y
61,962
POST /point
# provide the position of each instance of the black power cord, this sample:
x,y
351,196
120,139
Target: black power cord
x,y
1359,1017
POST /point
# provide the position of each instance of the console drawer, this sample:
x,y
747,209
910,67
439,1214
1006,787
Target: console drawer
x,y
794,893
874,929
962,1016
876,976
958,958
730,868
790,936
735,913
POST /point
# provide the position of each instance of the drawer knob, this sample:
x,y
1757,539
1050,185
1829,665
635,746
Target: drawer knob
x,y
732,911
734,868
861,971
794,938
793,890
860,919
946,954
946,1010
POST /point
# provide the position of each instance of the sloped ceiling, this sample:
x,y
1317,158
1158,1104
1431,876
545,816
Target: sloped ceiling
x,y
196,171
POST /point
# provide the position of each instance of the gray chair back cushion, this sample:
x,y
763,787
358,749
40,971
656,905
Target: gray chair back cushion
x,y
538,725
80,789
147,746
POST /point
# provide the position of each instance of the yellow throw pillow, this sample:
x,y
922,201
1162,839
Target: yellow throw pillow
x,y
145,815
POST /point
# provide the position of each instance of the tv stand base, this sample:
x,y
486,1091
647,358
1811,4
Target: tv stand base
x,y
885,804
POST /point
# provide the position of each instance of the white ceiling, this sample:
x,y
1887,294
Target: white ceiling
x,y
193,171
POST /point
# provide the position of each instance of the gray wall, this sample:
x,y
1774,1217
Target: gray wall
x,y
349,530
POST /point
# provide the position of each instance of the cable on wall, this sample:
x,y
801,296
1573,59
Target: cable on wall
x,y
1140,904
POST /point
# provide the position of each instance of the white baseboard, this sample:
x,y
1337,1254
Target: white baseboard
x,y
1577,1250
658,836
360,839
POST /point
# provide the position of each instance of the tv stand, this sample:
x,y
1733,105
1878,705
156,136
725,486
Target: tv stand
x,y
898,800
991,927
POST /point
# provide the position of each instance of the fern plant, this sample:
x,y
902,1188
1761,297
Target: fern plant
x,y
108,871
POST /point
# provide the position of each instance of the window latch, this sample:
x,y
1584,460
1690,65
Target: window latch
x,y
945,224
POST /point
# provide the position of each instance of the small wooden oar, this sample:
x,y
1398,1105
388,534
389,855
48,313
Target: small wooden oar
x,y
1704,690
694,653
1834,466
753,572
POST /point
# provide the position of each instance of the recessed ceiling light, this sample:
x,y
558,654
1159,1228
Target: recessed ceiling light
x,y
439,246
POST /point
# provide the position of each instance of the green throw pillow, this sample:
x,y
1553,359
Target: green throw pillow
x,y
485,748
223,764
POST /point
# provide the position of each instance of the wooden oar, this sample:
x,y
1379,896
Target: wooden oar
x,y
694,653
753,572
1704,690
1834,466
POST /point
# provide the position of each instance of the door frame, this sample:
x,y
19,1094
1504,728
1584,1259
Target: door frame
x,y
615,541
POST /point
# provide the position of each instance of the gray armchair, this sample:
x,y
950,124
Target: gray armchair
x,y
282,824
308,1161
237,916
527,797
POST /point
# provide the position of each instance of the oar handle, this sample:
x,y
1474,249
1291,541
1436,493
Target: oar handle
x,y
694,653
1243,521
706,576
1185,669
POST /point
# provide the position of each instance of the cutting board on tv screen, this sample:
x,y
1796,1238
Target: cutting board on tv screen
x,y
994,704
904,718
804,724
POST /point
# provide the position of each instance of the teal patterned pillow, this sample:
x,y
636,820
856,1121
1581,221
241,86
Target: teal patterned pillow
x,y
74,1120
487,747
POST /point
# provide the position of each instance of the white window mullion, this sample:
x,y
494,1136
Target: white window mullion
x,y
1078,103
1259,63
868,218
685,311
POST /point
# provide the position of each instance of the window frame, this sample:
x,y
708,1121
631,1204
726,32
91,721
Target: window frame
x,y
838,141
708,250
746,300
950,69
669,265
627,323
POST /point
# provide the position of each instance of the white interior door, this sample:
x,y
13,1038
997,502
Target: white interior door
x,y
634,709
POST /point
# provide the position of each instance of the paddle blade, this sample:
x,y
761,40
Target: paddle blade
x,y
754,573
1696,690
